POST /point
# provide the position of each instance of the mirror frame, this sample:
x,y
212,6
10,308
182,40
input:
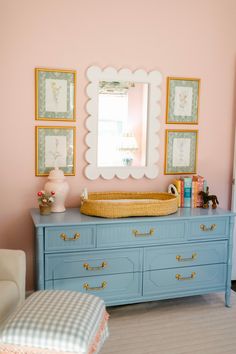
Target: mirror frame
x,y
153,78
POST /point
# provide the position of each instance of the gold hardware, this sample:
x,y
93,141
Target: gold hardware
x,y
102,266
205,228
87,287
181,259
138,234
64,237
179,276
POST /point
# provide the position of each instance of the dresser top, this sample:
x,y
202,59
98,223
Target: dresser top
x,y
72,216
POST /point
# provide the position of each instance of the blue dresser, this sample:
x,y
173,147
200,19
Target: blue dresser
x,y
139,259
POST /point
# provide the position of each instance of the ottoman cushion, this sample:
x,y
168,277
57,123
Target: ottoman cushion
x,y
56,321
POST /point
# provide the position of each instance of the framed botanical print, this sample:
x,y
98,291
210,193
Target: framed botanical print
x,y
182,100
181,152
55,94
55,147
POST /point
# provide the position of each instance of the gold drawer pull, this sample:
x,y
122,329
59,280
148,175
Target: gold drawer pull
x,y
181,259
102,266
179,276
205,228
138,234
87,287
64,237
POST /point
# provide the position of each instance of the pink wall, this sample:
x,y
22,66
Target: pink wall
x,y
179,37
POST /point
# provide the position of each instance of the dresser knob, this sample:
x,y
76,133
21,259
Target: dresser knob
x,y
205,228
179,276
136,233
102,266
182,259
64,237
87,287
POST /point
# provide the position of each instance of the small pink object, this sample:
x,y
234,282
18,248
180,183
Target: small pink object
x,y
58,187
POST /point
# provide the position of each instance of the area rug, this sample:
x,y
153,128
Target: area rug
x,y
191,325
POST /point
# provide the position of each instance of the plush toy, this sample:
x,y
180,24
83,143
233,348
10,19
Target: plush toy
x,y
206,198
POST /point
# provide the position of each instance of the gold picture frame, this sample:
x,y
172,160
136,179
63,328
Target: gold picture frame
x,y
55,94
180,152
182,103
55,146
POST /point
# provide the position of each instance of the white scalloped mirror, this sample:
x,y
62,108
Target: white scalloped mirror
x,y
123,124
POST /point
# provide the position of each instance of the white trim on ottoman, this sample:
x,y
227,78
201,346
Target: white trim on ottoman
x,y
56,321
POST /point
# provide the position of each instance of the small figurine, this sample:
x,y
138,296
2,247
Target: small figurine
x,y
206,198
84,195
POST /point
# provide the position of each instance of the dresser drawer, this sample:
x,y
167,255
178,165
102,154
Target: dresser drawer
x,y
109,287
65,265
208,228
184,279
117,235
69,238
185,255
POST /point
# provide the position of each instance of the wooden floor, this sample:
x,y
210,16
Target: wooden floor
x,y
233,287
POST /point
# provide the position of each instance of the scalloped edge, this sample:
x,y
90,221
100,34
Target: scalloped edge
x,y
154,79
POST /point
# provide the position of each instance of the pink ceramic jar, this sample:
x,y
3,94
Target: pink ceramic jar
x,y
57,183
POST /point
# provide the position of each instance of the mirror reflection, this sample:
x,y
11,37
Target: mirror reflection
x,y
122,123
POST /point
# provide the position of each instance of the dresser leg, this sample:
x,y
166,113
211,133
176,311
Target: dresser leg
x,y
229,263
227,298
40,258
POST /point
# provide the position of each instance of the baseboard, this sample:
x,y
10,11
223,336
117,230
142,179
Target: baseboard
x,y
28,293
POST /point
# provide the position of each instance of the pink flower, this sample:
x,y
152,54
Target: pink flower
x,y
45,198
52,193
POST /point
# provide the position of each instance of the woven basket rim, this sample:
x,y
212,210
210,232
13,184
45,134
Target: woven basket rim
x,y
166,204
93,196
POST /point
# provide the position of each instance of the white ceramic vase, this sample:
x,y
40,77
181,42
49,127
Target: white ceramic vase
x,y
57,183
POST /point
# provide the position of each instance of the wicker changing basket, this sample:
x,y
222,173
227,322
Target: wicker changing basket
x,y
123,204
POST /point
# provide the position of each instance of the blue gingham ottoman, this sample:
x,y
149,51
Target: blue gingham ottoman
x,y
56,321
